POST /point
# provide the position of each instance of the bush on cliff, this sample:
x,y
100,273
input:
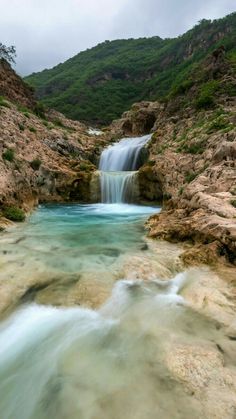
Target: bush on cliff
x,y
8,155
206,97
14,213
4,103
35,164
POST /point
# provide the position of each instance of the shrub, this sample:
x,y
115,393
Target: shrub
x,y
219,123
35,164
40,110
59,123
85,166
181,190
204,101
206,97
151,163
14,213
9,154
167,196
190,176
181,88
4,103
233,202
23,109
32,129
21,127
194,148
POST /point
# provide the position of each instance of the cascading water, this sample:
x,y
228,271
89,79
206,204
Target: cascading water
x,y
80,364
118,166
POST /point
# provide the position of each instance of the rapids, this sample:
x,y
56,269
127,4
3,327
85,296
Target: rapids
x,y
80,364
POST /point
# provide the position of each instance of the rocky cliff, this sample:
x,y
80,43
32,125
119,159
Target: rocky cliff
x,y
42,158
192,162
13,88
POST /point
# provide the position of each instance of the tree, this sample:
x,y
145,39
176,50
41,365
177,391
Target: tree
x,y
7,53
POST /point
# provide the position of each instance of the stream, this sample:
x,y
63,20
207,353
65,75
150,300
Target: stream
x,y
84,335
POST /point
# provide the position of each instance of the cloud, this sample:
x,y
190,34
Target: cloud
x,y
46,32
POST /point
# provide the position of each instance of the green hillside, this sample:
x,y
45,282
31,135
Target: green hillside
x,y
99,84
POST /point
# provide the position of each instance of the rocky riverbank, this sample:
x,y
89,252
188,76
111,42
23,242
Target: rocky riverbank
x,y
192,163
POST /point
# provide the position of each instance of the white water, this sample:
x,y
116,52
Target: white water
x,y
81,364
118,165
118,187
123,156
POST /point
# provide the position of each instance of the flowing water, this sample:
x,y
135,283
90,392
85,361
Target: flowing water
x,y
118,165
118,187
78,363
124,155
113,363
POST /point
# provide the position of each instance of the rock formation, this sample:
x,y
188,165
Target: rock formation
x,y
42,158
192,162
13,88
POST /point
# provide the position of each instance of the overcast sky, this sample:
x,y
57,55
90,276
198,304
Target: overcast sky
x,y
47,32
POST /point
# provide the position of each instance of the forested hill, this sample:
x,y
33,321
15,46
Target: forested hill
x,y
99,84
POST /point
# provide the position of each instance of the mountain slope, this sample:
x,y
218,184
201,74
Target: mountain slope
x,y
99,84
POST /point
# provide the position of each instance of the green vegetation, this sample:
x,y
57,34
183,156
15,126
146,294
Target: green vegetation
x,y
32,129
167,196
8,155
14,213
59,123
3,102
22,109
99,84
190,176
21,127
182,88
151,163
219,123
233,202
181,190
40,110
193,147
35,164
206,97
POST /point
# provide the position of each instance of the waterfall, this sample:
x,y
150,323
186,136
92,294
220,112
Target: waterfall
x,y
118,166
118,187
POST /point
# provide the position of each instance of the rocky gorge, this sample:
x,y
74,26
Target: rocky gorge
x,y
189,163
188,169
